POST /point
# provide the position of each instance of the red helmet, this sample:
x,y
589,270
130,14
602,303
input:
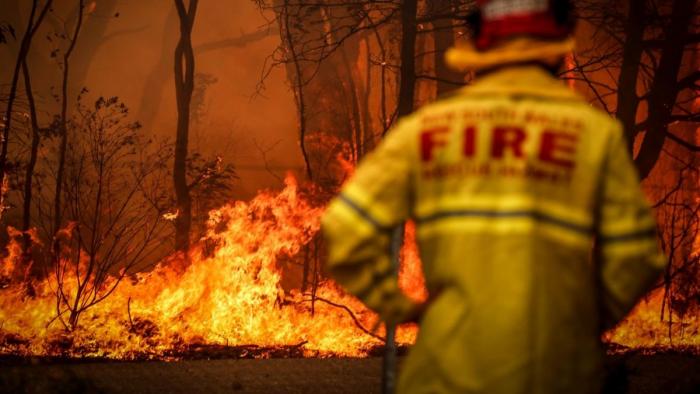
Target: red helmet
x,y
501,19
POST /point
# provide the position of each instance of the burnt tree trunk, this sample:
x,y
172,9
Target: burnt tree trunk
x,y
447,79
663,91
184,85
368,140
405,107
64,124
31,165
627,99
33,153
353,98
382,77
298,82
407,84
23,50
34,149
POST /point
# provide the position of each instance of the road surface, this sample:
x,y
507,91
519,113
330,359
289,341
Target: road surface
x,y
636,374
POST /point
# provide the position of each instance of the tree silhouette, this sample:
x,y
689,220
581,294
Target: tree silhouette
x,y
184,86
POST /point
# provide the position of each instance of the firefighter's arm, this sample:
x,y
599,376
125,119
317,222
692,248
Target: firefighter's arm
x,y
358,224
630,260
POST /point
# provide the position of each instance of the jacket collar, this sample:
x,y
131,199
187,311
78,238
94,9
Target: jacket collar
x,y
523,80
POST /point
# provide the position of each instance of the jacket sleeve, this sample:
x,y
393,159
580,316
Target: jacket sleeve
x,y
358,224
630,259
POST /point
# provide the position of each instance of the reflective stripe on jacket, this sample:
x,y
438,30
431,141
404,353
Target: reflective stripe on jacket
x,y
508,181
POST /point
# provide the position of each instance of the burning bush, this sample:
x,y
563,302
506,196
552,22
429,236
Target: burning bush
x,y
231,296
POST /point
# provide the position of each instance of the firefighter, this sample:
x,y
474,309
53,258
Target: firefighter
x,y
511,181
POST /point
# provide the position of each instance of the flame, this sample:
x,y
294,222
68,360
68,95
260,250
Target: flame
x,y
230,293
646,329
230,297
411,279
570,61
171,216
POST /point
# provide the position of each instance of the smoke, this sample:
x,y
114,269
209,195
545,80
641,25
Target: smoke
x,y
126,50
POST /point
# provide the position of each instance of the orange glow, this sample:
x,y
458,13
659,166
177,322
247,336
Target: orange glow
x,y
570,64
645,329
232,296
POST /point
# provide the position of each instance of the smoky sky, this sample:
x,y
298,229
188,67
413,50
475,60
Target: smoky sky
x,y
126,49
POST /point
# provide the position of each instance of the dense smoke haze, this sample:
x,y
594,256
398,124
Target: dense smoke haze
x,y
126,50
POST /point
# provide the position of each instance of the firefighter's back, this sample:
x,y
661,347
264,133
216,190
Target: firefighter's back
x,y
505,195
508,182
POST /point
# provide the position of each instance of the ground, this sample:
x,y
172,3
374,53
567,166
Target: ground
x,y
634,374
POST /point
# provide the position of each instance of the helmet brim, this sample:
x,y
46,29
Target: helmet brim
x,y
465,57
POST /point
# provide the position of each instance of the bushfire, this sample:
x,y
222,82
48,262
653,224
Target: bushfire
x,y
229,293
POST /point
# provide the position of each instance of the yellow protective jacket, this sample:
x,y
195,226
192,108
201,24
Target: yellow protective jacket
x,y
509,181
